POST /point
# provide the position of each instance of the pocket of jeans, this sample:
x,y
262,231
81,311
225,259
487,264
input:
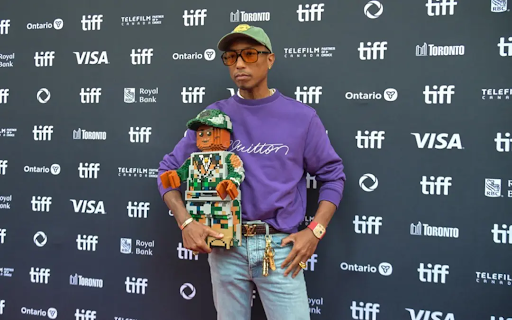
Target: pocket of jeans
x,y
278,237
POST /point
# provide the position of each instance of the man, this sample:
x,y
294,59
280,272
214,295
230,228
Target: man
x,y
278,139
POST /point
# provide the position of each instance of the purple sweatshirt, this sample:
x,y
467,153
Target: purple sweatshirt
x,y
278,139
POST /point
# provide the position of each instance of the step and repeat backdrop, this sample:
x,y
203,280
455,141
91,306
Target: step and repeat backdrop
x,y
416,97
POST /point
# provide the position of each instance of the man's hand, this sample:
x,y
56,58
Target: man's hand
x,y
194,236
304,245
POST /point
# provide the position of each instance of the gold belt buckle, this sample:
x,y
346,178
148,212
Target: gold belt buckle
x,y
250,230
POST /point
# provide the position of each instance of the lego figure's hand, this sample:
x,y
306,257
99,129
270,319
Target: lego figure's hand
x,y
226,187
170,179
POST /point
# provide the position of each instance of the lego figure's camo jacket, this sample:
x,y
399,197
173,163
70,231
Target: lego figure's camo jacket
x,y
203,171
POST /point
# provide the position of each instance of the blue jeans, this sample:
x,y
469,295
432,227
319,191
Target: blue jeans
x,y
235,271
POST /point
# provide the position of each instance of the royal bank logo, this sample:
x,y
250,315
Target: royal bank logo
x,y
242,16
148,20
493,188
143,248
6,60
499,6
140,95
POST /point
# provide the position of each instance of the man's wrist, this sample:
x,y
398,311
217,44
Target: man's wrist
x,y
317,228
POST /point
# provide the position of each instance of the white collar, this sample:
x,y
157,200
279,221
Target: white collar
x,y
272,91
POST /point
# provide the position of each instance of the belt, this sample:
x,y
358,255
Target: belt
x,y
250,230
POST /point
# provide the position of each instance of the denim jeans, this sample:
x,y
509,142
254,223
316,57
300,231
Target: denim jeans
x,y
234,273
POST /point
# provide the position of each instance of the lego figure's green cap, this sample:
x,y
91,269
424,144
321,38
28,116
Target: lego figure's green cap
x,y
243,31
211,117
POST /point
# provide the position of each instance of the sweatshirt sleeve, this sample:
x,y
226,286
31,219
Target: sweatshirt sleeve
x,y
175,159
322,161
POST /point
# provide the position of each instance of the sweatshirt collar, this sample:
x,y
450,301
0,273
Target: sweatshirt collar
x,y
257,102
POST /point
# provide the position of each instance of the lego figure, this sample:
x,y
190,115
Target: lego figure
x,y
212,175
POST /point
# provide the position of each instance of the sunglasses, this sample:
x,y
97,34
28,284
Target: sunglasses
x,y
249,55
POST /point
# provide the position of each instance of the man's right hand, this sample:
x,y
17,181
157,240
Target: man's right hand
x,y
194,236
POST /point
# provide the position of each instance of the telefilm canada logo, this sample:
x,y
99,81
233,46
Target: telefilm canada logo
x,y
142,20
137,172
309,52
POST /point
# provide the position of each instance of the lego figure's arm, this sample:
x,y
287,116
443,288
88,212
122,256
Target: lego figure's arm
x,y
173,178
236,175
236,172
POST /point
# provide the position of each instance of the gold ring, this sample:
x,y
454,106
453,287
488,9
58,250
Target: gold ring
x,y
302,265
195,253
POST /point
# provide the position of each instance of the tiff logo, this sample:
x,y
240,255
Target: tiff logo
x,y
310,264
85,314
139,135
43,133
88,170
41,204
39,275
184,253
436,96
136,285
44,59
2,302
3,234
4,26
4,93
365,311
505,47
141,56
138,210
92,22
310,13
503,143
193,95
370,140
3,167
500,235
434,274
440,7
194,17
90,95
372,51
370,225
308,95
435,186
86,243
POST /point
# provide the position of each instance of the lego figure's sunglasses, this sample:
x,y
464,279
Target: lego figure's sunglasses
x,y
249,55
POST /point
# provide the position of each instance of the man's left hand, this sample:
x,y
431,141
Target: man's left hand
x,y
304,245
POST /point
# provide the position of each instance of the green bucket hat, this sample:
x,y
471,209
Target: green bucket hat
x,y
245,31
211,117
